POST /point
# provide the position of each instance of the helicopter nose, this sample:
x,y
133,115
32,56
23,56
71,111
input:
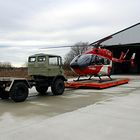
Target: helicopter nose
x,y
74,65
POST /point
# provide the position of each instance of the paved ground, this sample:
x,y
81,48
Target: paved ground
x,y
109,114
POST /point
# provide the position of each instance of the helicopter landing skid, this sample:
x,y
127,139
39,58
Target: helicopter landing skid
x,y
90,78
78,79
100,79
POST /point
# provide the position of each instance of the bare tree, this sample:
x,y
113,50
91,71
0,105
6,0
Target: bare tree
x,y
75,50
5,65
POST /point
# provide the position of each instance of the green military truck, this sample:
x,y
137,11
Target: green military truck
x,y
45,71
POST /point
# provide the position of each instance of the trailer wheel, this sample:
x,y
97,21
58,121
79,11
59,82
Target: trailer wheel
x,y
41,89
19,92
58,87
4,94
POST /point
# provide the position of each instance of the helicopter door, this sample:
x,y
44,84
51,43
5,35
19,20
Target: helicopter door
x,y
105,70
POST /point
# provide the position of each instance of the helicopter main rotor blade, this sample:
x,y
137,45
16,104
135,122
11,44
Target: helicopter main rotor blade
x,y
97,43
58,47
55,47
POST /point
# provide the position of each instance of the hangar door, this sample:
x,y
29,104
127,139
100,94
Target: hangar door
x,y
126,68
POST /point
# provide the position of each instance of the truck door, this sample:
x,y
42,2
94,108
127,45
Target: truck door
x,y
55,65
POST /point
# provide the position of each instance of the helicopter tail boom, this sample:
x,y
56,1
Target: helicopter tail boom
x,y
123,56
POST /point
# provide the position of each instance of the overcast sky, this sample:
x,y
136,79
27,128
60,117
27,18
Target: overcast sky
x,y
26,26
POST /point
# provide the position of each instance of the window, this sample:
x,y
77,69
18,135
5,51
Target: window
x,y
32,59
41,58
59,61
93,59
53,60
98,60
84,60
106,61
76,58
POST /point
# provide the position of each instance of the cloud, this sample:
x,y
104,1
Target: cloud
x,y
26,26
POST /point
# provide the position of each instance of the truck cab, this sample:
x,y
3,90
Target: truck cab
x,y
46,71
45,65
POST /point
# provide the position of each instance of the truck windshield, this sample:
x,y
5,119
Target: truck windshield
x,y
41,58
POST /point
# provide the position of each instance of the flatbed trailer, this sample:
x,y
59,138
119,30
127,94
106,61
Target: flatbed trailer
x,y
96,84
18,88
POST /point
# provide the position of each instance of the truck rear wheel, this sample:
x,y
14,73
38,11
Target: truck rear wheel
x,y
19,92
4,94
41,89
58,87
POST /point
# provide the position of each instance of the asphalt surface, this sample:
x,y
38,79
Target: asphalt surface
x,y
112,113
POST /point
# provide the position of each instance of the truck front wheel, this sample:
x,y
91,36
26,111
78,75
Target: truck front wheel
x,y
19,92
58,87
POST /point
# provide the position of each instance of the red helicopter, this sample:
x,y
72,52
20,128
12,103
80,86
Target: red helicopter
x,y
97,61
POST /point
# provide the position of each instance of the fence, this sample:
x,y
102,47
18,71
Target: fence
x,y
14,72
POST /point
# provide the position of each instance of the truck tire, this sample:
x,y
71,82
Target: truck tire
x,y
19,92
58,87
4,94
41,89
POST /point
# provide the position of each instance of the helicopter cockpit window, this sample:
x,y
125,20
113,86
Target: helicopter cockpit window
x,y
93,59
97,60
76,58
84,60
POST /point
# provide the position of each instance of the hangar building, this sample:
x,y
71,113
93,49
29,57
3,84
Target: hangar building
x,y
123,40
